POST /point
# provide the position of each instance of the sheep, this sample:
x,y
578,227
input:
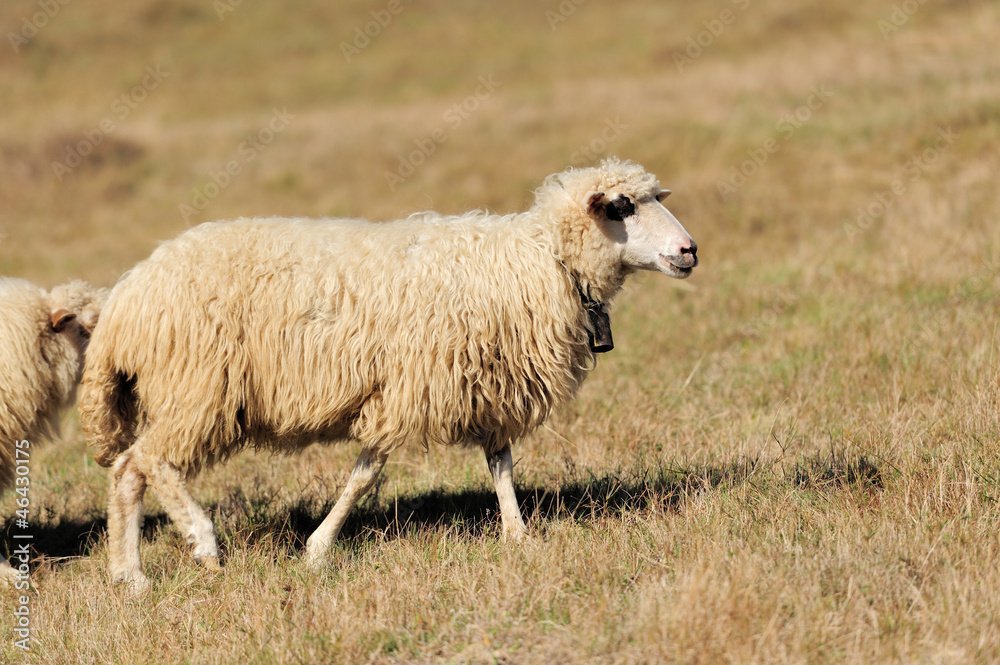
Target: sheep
x,y
276,333
43,338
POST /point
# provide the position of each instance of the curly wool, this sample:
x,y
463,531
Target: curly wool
x,y
39,367
276,333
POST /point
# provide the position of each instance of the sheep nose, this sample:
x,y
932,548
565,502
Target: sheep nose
x,y
692,250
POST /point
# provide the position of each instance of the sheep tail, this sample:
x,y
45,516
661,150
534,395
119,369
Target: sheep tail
x,y
108,411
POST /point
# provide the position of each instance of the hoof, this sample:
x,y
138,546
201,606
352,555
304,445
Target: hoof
x,y
316,559
516,535
8,576
317,554
139,586
135,586
211,563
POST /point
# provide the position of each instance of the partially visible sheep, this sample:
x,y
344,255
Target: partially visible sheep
x,y
276,333
43,337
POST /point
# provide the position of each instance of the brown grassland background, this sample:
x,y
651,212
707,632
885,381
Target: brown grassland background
x,y
793,457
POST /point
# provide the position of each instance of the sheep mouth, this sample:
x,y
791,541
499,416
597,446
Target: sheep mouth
x,y
677,266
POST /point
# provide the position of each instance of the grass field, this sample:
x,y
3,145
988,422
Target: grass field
x,y
793,457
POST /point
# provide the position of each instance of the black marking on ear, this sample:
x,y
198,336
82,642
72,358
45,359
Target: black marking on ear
x,y
620,208
595,202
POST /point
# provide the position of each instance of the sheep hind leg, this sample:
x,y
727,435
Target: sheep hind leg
x,y
190,518
128,485
502,469
366,471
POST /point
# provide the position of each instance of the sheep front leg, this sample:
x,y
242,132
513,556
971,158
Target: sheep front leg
x,y
502,469
128,485
365,473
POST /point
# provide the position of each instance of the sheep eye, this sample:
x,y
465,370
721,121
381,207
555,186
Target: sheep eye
x,y
620,208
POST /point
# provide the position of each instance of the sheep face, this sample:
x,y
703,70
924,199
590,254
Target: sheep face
x,y
649,236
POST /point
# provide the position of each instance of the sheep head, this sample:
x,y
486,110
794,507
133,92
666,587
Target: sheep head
x,y
74,310
648,235
609,221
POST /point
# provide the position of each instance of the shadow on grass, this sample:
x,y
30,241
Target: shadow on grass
x,y
63,539
585,498
253,519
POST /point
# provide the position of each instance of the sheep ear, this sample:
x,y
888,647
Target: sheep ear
x,y
664,193
60,318
595,203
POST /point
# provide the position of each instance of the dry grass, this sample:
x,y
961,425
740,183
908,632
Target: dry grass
x,y
791,458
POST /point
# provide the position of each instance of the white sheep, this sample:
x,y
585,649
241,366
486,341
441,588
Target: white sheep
x,y
276,333
43,337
